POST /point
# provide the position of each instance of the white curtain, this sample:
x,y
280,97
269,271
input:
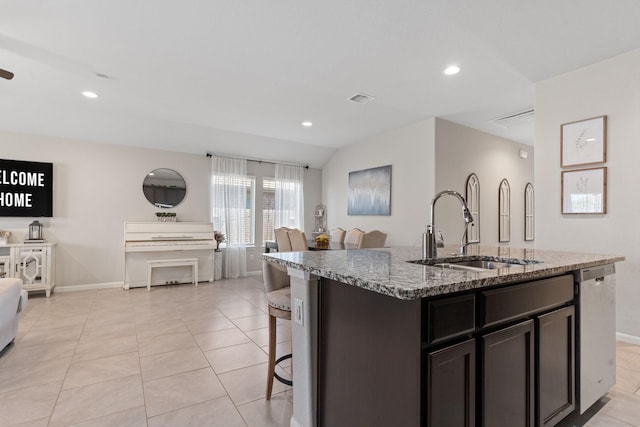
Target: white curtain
x,y
229,210
289,197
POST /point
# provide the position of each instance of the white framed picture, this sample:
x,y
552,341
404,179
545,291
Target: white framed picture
x,y
583,142
584,191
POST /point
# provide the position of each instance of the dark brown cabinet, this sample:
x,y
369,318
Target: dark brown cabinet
x,y
556,365
512,359
508,383
528,375
493,357
451,386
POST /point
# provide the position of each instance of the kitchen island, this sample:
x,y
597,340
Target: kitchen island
x,y
380,340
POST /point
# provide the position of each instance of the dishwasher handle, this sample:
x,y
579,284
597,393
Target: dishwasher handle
x,y
598,273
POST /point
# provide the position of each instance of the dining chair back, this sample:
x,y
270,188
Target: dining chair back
x,y
298,240
372,239
353,237
337,235
282,238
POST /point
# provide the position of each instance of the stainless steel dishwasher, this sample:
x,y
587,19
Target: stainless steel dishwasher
x,y
596,352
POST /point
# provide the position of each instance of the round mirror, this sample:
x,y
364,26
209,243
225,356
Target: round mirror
x,y
164,188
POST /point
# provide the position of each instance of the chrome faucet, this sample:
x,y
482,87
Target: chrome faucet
x,y
429,245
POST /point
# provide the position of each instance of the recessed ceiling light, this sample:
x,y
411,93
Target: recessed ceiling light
x,y
90,94
451,70
590,139
307,124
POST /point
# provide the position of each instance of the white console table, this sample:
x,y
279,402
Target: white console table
x,y
33,263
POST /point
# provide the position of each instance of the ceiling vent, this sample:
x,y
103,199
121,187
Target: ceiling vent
x,y
520,117
6,74
361,98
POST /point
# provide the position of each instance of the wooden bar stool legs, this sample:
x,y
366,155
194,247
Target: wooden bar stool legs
x,y
272,353
278,291
275,313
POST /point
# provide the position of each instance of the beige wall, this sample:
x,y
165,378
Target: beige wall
x,y
96,188
427,157
461,151
409,151
611,87
99,186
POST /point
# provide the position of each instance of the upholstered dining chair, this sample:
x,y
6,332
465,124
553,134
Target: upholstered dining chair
x,y
282,239
278,289
337,235
298,240
372,239
353,237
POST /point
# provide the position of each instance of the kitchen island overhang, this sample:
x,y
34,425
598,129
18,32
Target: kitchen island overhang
x,y
389,273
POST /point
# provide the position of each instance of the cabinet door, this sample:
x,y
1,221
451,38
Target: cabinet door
x,y
451,386
508,376
556,352
31,265
6,266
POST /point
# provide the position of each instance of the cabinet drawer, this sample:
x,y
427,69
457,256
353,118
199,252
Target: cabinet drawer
x,y
450,317
513,302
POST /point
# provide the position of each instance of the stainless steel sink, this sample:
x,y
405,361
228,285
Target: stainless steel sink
x,y
475,264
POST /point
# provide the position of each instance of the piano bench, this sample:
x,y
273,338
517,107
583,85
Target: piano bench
x,y
184,262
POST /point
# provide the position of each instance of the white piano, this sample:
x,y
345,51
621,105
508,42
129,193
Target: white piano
x,y
144,241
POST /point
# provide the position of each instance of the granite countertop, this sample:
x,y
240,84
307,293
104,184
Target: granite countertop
x,y
387,271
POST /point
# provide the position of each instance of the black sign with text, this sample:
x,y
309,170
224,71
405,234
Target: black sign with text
x,y
26,188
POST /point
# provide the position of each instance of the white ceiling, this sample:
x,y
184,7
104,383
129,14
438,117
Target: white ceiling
x,y
238,77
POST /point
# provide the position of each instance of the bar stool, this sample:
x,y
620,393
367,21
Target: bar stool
x,y
277,286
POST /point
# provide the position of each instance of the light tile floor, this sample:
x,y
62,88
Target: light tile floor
x,y
175,356
180,356
621,406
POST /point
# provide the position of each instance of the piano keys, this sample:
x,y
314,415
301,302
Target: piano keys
x,y
144,241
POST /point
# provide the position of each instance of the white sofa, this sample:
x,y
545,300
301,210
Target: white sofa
x,y
13,299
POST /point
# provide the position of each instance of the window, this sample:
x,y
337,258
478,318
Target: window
x,y
289,196
504,211
529,222
289,214
239,208
473,202
268,208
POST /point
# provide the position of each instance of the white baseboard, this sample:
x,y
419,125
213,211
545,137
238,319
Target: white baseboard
x,y
112,285
88,287
631,339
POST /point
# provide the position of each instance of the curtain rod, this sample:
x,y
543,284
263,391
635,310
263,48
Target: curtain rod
x,y
259,160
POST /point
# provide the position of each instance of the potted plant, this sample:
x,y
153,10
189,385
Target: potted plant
x,y
219,239
166,216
